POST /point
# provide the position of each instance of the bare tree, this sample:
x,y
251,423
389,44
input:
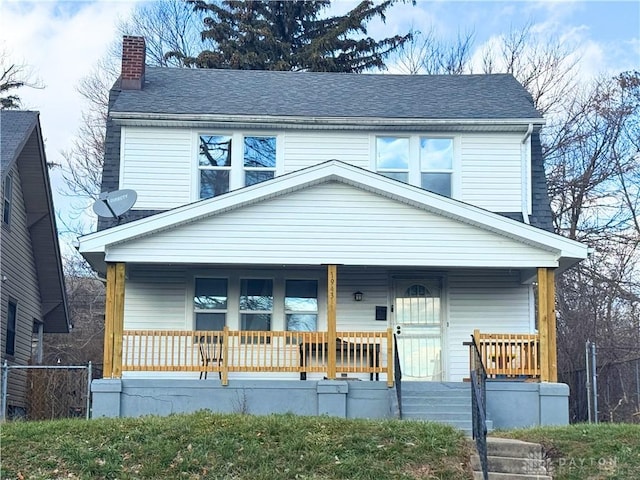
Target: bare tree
x,y
593,162
545,66
426,54
85,297
167,25
13,76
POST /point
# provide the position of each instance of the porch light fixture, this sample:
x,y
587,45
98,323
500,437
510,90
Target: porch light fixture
x,y
357,296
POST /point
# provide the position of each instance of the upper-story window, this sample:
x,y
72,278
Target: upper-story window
x,y
214,164
392,157
436,164
227,162
259,159
8,197
427,162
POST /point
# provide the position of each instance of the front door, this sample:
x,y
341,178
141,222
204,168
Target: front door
x,y
418,328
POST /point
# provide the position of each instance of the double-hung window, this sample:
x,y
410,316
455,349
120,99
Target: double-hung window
x,y
392,157
256,304
259,159
301,305
214,165
230,161
423,161
436,164
210,303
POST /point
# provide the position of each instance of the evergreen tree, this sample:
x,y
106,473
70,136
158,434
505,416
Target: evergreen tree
x,y
291,35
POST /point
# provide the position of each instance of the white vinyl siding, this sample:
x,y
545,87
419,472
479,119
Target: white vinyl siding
x,y
155,299
491,301
331,223
304,149
491,171
157,163
361,316
160,163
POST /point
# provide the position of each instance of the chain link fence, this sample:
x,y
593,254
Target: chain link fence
x,y
618,392
48,392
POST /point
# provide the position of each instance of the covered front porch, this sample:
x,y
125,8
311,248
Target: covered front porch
x,y
417,335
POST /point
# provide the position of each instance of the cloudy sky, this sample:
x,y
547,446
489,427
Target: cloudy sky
x,y
61,41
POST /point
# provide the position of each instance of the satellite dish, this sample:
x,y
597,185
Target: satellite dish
x,y
114,204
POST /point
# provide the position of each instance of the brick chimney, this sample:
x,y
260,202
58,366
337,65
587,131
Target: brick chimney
x,y
133,58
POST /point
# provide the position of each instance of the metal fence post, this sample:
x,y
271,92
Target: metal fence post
x,y
5,383
594,367
89,378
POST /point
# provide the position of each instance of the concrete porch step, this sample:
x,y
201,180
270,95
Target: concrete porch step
x,y
442,402
461,416
510,476
519,465
507,447
512,460
435,402
435,387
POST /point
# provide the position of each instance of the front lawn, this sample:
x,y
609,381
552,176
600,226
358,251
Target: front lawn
x,y
212,446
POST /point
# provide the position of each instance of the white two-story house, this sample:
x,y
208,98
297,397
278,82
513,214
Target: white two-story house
x,y
281,213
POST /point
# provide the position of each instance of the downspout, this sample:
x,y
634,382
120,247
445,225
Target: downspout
x,y
526,173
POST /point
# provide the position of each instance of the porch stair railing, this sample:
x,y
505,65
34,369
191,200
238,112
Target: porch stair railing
x,y
479,405
258,351
397,369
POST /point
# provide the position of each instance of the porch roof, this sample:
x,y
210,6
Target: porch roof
x,y
543,248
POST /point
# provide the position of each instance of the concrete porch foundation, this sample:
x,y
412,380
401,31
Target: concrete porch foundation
x,y
509,404
521,404
137,397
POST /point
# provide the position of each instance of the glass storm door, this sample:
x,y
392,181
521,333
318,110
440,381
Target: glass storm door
x,y
418,329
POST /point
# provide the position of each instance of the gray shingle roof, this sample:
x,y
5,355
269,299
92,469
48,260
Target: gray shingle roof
x,y
15,128
253,92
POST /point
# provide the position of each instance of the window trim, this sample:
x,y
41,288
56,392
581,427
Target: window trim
x,y
385,171
246,169
449,171
216,168
300,312
237,169
415,167
256,312
195,311
278,320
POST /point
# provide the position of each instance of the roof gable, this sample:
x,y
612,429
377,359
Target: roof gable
x,y
333,171
21,145
15,129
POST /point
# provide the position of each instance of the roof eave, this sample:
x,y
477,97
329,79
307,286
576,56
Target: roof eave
x,y
204,120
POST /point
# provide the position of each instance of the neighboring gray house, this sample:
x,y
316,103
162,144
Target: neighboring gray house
x,y
32,292
281,213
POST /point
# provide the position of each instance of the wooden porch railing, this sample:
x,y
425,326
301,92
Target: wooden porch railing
x,y
256,351
509,354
